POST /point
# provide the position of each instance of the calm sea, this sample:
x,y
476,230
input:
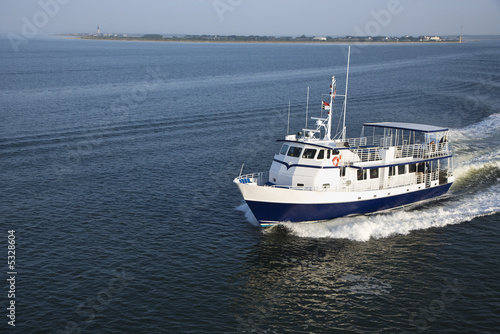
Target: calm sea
x,y
116,168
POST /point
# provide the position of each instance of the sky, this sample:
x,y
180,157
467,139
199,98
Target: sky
x,y
253,17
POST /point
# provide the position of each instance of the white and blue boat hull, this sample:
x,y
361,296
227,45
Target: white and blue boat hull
x,y
272,205
272,213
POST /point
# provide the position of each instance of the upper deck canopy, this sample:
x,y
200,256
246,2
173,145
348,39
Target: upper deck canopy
x,y
407,126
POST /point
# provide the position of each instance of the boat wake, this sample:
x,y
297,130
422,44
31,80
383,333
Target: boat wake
x,y
474,194
437,214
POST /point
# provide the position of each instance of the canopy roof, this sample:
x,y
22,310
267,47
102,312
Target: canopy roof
x,y
407,126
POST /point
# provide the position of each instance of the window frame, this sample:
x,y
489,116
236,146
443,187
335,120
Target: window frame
x,y
321,154
404,169
308,150
293,149
362,175
285,147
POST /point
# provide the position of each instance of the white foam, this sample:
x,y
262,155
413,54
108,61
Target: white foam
x,y
476,160
476,146
483,129
364,228
248,214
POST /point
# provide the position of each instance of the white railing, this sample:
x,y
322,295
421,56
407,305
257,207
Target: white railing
x,y
259,178
367,154
396,181
376,143
421,151
356,142
378,140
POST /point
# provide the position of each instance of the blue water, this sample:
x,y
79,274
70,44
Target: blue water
x,y
116,168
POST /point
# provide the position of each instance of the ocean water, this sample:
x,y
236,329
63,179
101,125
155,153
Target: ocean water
x,y
116,168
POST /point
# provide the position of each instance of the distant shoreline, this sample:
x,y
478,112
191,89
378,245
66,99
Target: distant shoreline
x,y
260,41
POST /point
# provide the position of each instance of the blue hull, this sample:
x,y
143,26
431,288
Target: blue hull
x,y
282,212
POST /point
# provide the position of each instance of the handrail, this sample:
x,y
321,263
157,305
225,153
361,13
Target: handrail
x,y
397,181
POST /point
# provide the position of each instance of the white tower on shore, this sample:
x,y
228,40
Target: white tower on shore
x,y
98,32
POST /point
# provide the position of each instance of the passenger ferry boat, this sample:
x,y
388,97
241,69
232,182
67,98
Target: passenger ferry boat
x,y
318,177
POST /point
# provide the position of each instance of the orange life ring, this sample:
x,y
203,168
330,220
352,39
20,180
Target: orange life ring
x,y
336,161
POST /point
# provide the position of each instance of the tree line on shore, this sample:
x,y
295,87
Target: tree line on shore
x,y
255,38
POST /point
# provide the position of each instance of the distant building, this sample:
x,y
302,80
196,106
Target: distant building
x,y
430,38
319,38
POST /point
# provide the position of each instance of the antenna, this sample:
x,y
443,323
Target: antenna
x,y
307,104
329,108
288,126
345,98
241,170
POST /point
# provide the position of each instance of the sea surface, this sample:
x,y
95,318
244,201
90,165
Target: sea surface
x,y
116,169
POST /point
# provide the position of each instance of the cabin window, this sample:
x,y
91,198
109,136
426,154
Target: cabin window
x,y
284,149
294,151
335,152
328,154
321,155
374,173
342,171
326,185
300,184
392,170
401,169
412,168
309,153
362,174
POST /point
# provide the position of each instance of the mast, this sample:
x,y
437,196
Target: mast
x,y
307,105
288,124
333,91
345,97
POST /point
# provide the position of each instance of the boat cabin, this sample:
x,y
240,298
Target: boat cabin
x,y
386,155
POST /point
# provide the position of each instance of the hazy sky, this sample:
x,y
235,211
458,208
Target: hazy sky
x,y
253,17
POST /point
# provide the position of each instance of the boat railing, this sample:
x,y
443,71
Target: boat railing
x,y
418,151
437,150
390,183
371,141
259,179
367,154
424,151
357,142
367,148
